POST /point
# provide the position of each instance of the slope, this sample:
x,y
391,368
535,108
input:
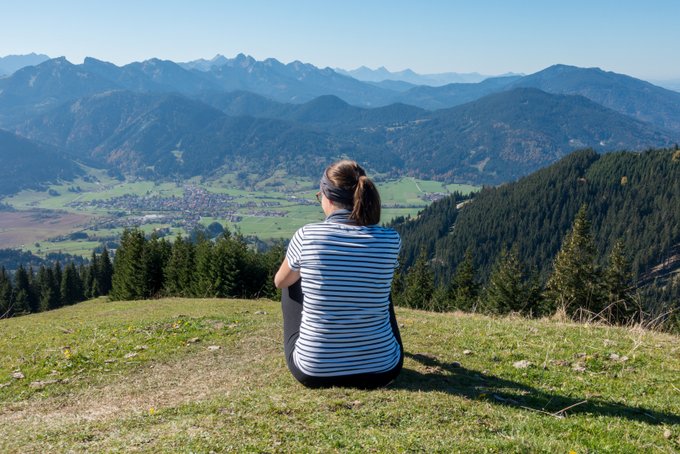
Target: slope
x,y
630,196
202,375
28,165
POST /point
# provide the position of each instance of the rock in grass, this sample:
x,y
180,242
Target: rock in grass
x,y
578,367
43,383
18,375
524,364
213,348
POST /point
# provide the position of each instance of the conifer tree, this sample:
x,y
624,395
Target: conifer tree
x,y
507,290
44,288
575,283
465,288
5,294
90,279
21,292
105,272
155,257
33,291
441,298
272,260
617,281
71,292
129,279
180,271
419,284
205,271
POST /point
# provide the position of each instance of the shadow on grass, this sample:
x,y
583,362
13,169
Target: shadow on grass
x,y
475,385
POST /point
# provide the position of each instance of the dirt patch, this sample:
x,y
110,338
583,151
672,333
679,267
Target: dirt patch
x,y
194,378
19,228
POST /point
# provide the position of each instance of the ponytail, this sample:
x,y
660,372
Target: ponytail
x,y
345,182
366,209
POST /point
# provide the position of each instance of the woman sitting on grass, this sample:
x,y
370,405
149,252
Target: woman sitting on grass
x,y
338,319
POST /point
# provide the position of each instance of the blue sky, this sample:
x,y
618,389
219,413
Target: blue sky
x,y
639,38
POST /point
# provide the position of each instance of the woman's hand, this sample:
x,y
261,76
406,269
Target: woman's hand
x,y
285,277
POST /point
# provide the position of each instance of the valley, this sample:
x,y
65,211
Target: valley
x,y
78,216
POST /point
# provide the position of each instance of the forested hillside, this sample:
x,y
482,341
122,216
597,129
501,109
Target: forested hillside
x,y
627,197
25,164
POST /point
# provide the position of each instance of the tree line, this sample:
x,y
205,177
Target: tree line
x,y
577,286
193,268
54,286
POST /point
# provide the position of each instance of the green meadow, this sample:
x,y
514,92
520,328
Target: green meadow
x,y
208,375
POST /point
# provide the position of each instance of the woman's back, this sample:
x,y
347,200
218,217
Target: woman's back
x,y
346,275
339,325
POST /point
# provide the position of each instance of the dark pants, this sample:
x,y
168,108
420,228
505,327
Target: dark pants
x,y
291,306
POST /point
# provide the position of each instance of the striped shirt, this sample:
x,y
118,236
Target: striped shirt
x,y
346,273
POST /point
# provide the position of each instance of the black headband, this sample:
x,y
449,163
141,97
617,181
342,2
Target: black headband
x,y
334,193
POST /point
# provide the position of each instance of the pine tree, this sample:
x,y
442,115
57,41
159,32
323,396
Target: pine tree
x,y
441,298
129,279
21,292
465,288
204,286
6,291
419,284
272,260
575,284
105,273
155,257
90,279
33,291
71,292
180,270
507,290
618,288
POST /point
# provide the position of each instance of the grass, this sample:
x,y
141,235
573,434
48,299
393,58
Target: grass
x,y
147,376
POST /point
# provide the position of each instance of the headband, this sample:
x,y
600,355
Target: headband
x,y
335,193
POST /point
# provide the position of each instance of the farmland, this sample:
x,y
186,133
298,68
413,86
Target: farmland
x,y
76,216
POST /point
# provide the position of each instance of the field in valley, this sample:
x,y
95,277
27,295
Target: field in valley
x,y
76,216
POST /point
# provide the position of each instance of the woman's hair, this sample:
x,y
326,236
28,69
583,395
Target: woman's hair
x,y
351,177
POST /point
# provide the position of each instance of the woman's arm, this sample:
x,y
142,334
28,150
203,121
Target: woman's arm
x,y
285,277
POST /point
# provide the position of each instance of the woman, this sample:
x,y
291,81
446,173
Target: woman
x,y
338,319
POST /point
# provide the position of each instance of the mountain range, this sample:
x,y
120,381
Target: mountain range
x,y
159,119
12,63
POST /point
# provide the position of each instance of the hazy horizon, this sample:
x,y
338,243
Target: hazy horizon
x,y
488,37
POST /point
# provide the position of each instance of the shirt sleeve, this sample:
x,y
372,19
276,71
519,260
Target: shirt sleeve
x,y
294,252
396,259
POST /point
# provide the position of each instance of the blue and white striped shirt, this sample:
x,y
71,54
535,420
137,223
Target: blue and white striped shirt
x,y
346,273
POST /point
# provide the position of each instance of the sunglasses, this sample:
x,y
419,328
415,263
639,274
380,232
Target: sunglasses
x,y
318,196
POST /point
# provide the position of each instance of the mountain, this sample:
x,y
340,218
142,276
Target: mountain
x,y
495,139
507,135
154,75
36,89
624,94
294,82
28,165
12,63
451,95
205,65
381,74
161,135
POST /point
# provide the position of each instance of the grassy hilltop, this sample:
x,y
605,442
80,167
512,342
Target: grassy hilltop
x,y
209,375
